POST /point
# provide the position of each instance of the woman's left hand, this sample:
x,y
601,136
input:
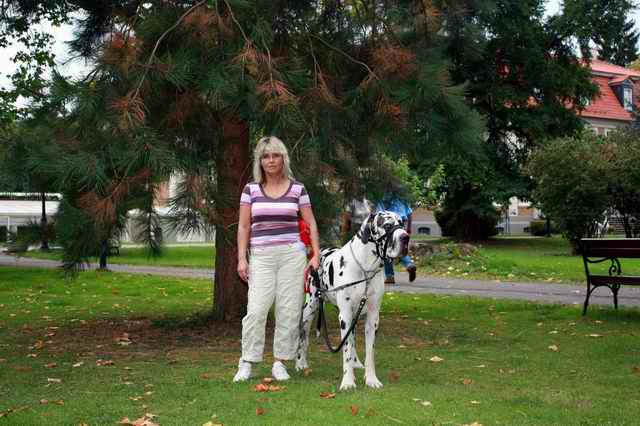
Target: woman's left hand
x,y
314,263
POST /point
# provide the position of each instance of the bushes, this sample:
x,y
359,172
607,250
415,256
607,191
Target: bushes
x,y
581,180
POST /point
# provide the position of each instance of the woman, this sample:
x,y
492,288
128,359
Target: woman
x,y
268,226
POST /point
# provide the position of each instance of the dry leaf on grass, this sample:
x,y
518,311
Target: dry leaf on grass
x,y
354,410
636,370
145,420
426,403
264,387
473,424
78,364
259,411
327,395
393,376
436,359
594,335
467,381
104,362
53,380
554,348
51,365
307,372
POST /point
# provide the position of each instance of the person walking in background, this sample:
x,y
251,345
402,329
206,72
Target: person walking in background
x,y
393,203
356,213
268,227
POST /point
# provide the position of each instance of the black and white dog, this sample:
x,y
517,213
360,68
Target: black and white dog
x,y
359,261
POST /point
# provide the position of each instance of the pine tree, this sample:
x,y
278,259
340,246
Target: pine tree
x,y
606,24
182,87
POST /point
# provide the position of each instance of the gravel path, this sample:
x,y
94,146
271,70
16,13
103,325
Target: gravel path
x,y
532,291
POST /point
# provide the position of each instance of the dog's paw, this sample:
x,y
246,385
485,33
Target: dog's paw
x,y
301,365
347,384
373,382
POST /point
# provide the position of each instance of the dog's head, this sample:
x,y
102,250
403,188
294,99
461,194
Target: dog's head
x,y
383,226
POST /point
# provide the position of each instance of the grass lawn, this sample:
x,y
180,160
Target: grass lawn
x,y
518,259
108,346
193,256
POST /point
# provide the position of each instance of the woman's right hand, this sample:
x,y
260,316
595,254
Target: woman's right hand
x,y
243,270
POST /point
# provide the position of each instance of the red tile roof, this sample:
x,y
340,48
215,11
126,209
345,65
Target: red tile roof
x,y
605,67
606,105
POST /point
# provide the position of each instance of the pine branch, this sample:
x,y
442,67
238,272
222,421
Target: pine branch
x,y
155,48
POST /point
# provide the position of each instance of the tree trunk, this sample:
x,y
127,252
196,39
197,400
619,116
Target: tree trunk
x,y
43,225
232,167
104,253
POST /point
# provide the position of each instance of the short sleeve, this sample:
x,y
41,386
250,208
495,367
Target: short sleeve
x,y
304,200
245,197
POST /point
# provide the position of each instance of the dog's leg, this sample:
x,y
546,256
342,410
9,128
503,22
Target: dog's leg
x,y
371,327
308,313
348,378
356,360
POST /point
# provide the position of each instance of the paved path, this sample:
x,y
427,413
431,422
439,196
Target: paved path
x,y
532,291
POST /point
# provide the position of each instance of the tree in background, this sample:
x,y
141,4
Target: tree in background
x,y
572,184
605,24
525,79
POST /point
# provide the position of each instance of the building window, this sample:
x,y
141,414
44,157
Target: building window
x,y
628,99
424,230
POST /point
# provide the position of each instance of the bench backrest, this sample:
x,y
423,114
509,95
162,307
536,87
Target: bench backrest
x,y
611,247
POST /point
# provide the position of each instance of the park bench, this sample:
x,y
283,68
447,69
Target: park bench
x,y
598,250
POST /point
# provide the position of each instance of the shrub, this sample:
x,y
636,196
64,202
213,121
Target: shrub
x,y
571,184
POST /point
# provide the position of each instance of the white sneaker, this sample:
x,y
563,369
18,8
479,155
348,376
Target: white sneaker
x,y
244,372
279,371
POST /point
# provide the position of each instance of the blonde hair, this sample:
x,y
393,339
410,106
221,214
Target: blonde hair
x,y
270,144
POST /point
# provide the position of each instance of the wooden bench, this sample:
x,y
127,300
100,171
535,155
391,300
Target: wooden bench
x,y
597,250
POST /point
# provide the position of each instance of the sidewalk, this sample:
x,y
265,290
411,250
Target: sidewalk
x,y
570,294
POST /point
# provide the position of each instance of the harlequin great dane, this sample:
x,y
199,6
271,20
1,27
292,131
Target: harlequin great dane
x,y
346,276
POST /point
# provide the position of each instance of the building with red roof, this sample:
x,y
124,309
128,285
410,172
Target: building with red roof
x,y
613,107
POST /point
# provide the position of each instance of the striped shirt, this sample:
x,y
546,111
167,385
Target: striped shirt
x,y
274,221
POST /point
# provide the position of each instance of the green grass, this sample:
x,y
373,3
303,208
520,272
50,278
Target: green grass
x,y
197,256
497,367
518,259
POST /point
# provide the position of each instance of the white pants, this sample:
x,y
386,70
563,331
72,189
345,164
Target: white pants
x,y
275,273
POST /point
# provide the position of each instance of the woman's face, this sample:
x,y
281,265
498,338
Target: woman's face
x,y
272,163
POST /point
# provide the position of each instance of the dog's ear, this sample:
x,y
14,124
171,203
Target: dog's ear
x,y
365,231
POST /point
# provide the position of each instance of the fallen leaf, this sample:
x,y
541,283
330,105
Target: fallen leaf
x,y
426,403
480,366
44,401
51,365
53,380
206,376
259,411
3,360
393,376
636,370
307,372
142,421
467,382
327,395
595,335
261,387
554,348
436,359
473,424
104,362
354,410
475,402
78,364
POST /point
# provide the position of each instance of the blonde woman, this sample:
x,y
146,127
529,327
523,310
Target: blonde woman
x,y
268,228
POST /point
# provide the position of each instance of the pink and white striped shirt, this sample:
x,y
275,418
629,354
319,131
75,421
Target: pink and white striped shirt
x,y
274,221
